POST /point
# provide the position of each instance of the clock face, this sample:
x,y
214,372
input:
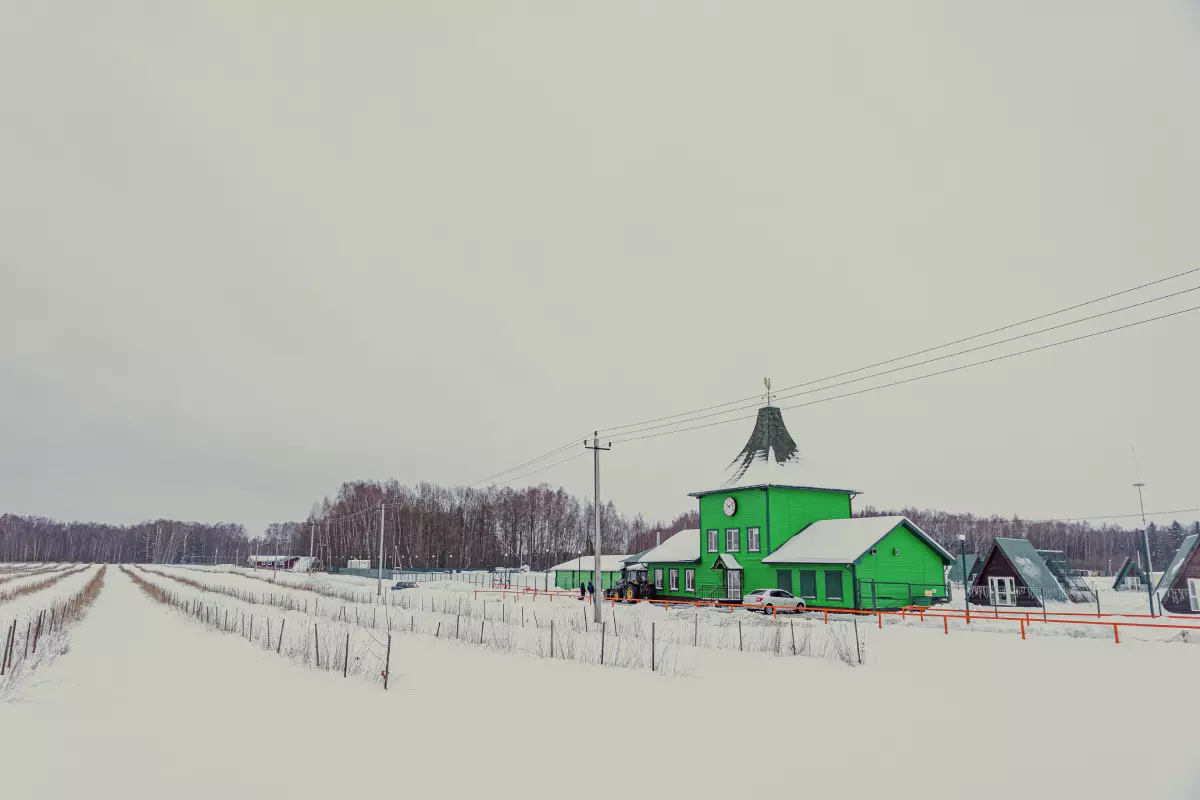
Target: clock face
x,y
730,506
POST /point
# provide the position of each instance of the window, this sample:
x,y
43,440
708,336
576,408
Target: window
x,y
733,540
658,579
751,540
780,593
689,580
808,583
833,584
714,543
674,580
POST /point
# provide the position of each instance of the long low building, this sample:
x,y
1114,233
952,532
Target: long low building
x,y
580,570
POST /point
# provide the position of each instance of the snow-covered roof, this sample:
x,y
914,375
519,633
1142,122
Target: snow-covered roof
x,y
1032,568
637,557
841,541
682,547
587,562
1181,557
726,561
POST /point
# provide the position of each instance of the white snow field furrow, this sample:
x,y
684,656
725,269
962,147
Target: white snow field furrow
x,y
15,578
142,679
25,606
515,621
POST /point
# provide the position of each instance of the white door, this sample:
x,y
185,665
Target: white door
x,y
1194,593
733,585
1004,592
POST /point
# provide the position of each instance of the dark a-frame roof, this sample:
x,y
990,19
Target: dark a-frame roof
x,y
1131,566
1028,564
1183,557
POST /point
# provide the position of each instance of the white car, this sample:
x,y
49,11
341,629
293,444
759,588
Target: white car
x,y
770,599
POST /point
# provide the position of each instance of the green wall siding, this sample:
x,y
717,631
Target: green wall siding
x,y
917,564
666,568
571,579
791,510
822,598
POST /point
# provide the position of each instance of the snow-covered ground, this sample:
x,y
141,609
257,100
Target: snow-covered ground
x,y
23,606
151,703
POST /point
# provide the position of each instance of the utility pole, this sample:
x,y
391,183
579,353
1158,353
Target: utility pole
x,y
379,582
596,448
1145,533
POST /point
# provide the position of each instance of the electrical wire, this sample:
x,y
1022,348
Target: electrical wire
x,y
1124,516
542,469
618,440
1011,339
542,457
611,430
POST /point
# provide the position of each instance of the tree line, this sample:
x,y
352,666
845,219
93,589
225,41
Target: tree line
x,y
429,526
1086,546
31,538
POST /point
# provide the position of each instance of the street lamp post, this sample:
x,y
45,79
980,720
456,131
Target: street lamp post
x,y
962,544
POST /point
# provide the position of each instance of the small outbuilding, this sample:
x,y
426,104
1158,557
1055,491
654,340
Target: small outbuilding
x,y
1179,588
1015,574
973,563
580,570
272,562
1130,577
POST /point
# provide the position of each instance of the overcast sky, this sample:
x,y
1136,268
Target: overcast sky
x,y
249,250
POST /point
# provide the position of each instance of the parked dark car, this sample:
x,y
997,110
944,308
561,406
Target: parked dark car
x,y
404,585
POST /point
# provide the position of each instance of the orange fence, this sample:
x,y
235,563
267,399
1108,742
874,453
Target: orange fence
x,y
1022,618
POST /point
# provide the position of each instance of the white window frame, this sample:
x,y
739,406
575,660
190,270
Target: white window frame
x,y
658,579
1010,590
674,576
689,580
714,540
753,543
736,540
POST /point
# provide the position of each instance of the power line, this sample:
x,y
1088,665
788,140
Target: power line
x,y
919,377
917,364
542,457
1122,516
611,430
541,469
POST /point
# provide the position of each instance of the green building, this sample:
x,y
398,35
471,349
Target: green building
x,y
760,532
578,571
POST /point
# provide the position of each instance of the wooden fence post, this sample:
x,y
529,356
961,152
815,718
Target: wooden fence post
x,y
792,625
346,660
317,644
387,665
279,645
652,646
603,630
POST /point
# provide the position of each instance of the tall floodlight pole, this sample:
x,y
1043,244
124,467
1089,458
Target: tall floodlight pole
x,y
962,545
596,448
1145,533
379,582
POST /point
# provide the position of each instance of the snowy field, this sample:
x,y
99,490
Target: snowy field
x,y
153,700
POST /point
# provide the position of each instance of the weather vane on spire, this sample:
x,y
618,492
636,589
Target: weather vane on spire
x,y
767,383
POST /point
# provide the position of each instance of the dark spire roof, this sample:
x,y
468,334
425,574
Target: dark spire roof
x,y
769,440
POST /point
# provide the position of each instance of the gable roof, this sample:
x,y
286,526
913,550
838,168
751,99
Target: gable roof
x,y
956,569
586,563
1182,557
841,541
726,561
1129,567
637,557
681,548
1029,565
